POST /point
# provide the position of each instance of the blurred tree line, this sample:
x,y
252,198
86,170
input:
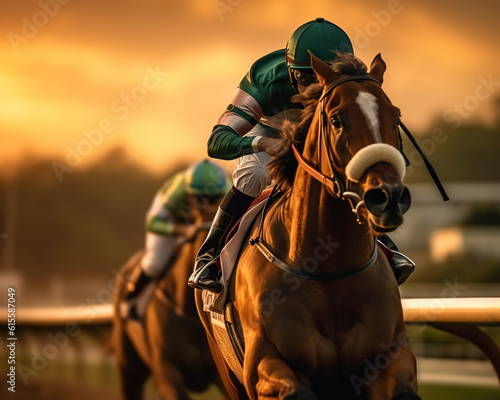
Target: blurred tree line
x,y
468,153
465,154
86,225
91,222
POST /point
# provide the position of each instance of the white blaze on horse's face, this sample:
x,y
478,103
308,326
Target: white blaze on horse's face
x,y
375,152
369,107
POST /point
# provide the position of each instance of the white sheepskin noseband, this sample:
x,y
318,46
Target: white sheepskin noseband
x,y
373,154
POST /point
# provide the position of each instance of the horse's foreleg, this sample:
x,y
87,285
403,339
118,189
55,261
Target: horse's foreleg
x,y
133,378
273,378
276,379
397,380
169,381
132,370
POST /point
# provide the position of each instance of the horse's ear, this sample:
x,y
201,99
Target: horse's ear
x,y
377,68
325,74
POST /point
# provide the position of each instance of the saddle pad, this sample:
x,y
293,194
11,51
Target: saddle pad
x,y
229,255
224,336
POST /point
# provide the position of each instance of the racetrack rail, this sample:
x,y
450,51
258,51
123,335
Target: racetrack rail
x,y
459,316
478,310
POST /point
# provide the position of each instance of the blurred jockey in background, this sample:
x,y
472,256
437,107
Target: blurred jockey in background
x,y
171,216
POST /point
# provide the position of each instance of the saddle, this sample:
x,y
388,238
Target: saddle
x,y
263,196
230,252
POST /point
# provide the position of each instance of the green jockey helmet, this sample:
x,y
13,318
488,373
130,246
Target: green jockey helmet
x,y
321,37
206,178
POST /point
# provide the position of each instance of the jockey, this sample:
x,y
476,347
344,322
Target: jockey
x,y
249,129
170,216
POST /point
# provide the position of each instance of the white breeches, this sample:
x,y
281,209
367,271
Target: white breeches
x,y
158,254
250,176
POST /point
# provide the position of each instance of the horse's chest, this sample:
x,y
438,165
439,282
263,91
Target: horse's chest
x,y
301,341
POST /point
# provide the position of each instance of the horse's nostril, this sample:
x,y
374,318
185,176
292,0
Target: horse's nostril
x,y
376,201
377,196
404,200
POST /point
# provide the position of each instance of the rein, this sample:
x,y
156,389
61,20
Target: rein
x,y
428,165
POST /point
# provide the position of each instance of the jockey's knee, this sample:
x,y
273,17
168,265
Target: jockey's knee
x,y
152,268
153,263
250,181
158,254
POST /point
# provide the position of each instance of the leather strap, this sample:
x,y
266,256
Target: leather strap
x,y
312,276
347,79
329,183
428,165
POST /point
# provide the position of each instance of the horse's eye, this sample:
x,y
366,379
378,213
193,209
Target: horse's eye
x,y
336,121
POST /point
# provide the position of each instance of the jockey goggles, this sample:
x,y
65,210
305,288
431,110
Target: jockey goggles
x,y
304,77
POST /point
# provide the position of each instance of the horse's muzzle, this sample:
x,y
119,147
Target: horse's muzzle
x,y
387,204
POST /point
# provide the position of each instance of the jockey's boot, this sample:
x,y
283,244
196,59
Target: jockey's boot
x,y
138,281
401,265
206,272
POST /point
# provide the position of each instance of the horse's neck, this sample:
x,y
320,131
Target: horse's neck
x,y
321,228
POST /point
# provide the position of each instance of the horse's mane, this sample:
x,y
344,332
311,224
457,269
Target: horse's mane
x,y
282,169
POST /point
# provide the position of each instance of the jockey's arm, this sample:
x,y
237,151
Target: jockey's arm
x,y
160,226
169,214
226,144
245,111
275,147
226,141
264,92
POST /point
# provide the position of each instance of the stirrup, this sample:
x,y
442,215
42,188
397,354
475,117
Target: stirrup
x,y
402,266
200,278
136,283
127,309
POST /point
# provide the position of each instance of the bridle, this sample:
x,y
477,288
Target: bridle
x,y
333,184
336,187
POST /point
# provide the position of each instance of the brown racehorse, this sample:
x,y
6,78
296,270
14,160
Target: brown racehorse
x,y
314,298
171,343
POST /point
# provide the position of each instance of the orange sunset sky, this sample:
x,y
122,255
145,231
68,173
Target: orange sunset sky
x,y
154,75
